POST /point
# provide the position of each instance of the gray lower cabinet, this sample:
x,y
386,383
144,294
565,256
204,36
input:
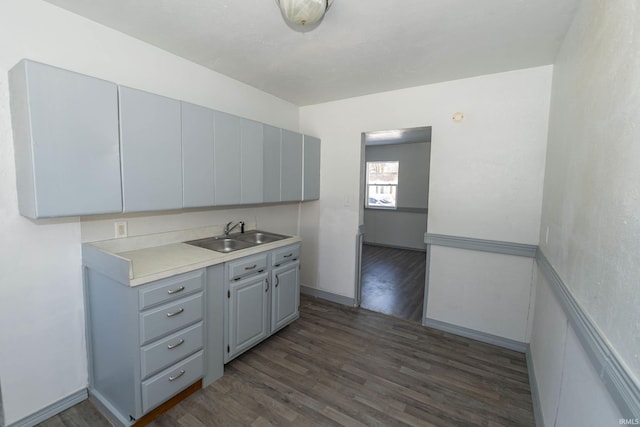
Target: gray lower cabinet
x,y
147,343
248,313
285,293
263,295
151,151
247,304
65,130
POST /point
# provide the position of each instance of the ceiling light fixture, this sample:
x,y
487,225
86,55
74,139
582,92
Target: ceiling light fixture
x,y
304,13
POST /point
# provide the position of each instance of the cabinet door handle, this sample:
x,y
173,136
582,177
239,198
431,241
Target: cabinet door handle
x,y
288,256
251,267
267,280
175,313
178,344
178,375
175,291
277,281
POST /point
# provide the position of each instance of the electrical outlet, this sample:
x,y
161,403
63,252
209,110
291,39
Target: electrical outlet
x,y
120,229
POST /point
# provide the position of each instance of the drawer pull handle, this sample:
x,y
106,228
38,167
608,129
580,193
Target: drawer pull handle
x,y
175,313
251,267
178,375
175,291
267,280
277,281
288,256
178,344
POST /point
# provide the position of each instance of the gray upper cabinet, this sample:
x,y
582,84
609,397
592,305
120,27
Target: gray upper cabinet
x,y
197,156
151,150
86,146
311,170
291,166
252,166
226,158
65,129
271,163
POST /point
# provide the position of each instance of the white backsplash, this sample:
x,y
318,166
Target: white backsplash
x,y
281,218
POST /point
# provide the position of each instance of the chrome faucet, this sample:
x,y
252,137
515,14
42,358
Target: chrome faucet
x,y
229,228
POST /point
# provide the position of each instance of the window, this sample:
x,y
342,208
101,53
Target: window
x,y
382,184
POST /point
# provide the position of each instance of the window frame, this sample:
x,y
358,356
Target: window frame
x,y
393,187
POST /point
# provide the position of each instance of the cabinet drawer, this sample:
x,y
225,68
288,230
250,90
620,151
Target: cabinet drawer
x,y
245,266
171,381
171,288
280,256
169,318
169,350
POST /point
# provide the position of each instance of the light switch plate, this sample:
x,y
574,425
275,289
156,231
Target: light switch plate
x,y
120,229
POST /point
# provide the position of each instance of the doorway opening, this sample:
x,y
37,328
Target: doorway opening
x,y
394,194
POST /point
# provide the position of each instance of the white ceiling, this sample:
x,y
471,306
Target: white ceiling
x,y
361,47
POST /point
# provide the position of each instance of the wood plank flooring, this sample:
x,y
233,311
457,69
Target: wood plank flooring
x,y
339,366
393,281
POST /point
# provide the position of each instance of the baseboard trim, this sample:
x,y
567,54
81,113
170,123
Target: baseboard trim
x,y
483,245
340,299
535,391
620,384
52,410
384,245
106,409
476,335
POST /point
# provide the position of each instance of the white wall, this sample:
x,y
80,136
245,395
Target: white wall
x,y
279,218
590,227
485,292
42,346
395,228
486,172
569,388
591,200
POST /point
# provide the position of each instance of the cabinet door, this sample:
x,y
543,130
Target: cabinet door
x,y
271,164
248,314
197,156
251,135
227,151
285,295
291,166
311,183
65,128
151,151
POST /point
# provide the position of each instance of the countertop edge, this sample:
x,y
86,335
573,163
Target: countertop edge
x,y
97,263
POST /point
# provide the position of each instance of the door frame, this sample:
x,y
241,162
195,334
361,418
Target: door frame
x,y
394,136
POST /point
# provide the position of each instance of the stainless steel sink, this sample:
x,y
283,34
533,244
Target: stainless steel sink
x,y
258,237
237,241
221,244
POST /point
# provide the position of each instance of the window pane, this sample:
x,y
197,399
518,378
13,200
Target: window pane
x,y
382,184
383,196
382,173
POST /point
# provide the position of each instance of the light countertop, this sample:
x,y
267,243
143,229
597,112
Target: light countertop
x,y
141,260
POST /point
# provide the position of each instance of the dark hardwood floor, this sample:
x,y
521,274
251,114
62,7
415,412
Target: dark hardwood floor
x,y
339,366
393,281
